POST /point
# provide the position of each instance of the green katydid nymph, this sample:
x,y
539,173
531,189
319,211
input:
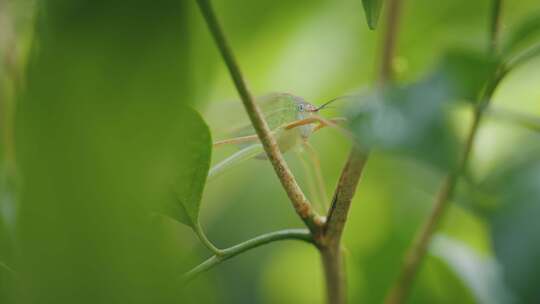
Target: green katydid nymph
x,y
292,120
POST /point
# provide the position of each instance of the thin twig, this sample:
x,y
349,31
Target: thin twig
x,y
345,190
350,176
416,253
390,40
225,254
300,203
331,251
495,25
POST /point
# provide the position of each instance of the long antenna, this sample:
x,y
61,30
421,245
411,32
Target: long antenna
x,y
331,101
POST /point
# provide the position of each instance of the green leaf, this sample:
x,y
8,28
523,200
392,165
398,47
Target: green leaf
x,y
372,9
8,207
413,120
7,274
192,172
481,275
524,120
514,195
523,44
101,145
525,34
437,282
461,75
522,57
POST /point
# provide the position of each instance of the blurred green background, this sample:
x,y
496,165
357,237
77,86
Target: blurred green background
x,y
96,123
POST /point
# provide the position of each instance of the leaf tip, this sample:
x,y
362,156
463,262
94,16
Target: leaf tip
x,y
372,10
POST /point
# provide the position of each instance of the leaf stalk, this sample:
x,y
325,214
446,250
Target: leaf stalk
x,y
228,253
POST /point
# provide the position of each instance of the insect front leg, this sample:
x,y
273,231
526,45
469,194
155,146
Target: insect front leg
x,y
323,122
333,122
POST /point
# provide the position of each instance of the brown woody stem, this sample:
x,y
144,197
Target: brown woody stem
x,y
330,244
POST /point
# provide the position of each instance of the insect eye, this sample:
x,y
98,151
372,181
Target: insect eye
x,y
301,107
